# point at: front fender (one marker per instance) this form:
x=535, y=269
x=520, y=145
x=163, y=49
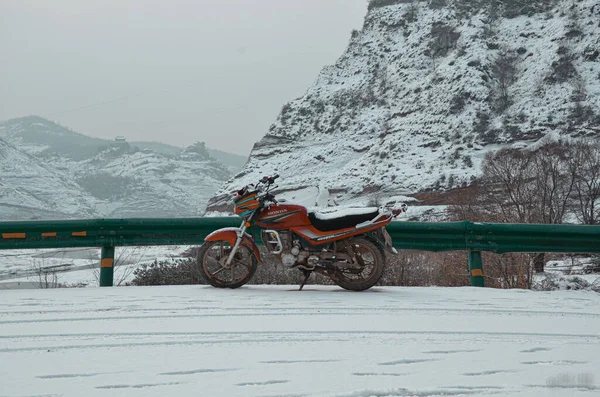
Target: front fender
x=230, y=235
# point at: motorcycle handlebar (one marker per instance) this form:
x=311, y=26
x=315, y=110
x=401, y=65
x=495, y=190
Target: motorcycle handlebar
x=269, y=179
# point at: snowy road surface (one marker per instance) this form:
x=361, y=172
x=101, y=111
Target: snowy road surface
x=276, y=341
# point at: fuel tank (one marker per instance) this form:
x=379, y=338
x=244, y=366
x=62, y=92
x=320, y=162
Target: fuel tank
x=283, y=216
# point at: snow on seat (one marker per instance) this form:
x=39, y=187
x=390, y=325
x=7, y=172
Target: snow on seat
x=330, y=219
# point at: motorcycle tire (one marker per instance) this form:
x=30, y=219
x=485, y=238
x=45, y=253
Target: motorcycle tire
x=360, y=284
x=210, y=264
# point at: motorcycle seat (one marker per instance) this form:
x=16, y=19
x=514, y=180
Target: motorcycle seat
x=327, y=220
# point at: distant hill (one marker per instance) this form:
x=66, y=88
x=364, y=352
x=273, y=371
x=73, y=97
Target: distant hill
x=48, y=171
x=44, y=138
x=234, y=161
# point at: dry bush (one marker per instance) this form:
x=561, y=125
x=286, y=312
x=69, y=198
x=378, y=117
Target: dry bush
x=424, y=269
x=510, y=270
x=408, y=268
x=452, y=269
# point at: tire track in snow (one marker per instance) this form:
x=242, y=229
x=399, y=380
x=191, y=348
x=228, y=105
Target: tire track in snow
x=452, y=351
x=408, y=361
x=491, y=372
x=536, y=349
x=199, y=371
x=274, y=337
x=275, y=311
x=151, y=344
x=311, y=332
x=297, y=361
x=263, y=383
x=380, y=373
x=138, y=386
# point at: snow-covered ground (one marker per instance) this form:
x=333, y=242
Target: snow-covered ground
x=276, y=341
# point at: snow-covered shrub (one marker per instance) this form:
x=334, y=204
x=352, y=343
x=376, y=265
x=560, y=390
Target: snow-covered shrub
x=443, y=39
x=563, y=69
x=554, y=282
x=412, y=12
x=384, y=3
x=515, y=8
x=458, y=103
x=504, y=70
x=437, y=4
x=180, y=272
x=482, y=123
x=467, y=161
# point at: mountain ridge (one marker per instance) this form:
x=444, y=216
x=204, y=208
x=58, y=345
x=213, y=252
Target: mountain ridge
x=425, y=90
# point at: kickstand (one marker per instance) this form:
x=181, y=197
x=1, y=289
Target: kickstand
x=307, y=274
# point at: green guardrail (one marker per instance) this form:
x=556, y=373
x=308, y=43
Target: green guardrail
x=445, y=236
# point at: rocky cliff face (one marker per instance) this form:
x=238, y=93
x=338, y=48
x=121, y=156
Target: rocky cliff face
x=425, y=89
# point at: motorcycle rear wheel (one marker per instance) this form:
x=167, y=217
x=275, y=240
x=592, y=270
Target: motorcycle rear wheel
x=212, y=267
x=372, y=270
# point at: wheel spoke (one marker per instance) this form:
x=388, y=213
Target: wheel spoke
x=242, y=263
x=219, y=271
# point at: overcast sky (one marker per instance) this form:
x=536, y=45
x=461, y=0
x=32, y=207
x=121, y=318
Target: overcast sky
x=175, y=71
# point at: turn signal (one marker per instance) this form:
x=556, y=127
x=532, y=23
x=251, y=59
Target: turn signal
x=247, y=224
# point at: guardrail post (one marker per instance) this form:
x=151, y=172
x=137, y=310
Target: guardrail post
x=476, y=269
x=107, y=262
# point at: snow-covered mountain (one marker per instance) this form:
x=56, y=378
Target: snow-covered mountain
x=50, y=172
x=30, y=189
x=425, y=89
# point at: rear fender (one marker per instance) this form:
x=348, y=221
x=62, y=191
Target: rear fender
x=383, y=238
x=230, y=235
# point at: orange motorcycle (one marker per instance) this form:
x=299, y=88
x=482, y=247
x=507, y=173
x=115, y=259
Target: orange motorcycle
x=349, y=245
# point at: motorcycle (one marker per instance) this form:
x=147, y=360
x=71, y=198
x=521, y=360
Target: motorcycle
x=347, y=246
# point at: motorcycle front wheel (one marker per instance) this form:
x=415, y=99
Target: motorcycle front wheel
x=367, y=265
x=212, y=266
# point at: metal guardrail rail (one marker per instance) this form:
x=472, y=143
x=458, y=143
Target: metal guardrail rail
x=445, y=236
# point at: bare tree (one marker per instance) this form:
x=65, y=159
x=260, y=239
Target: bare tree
x=585, y=164
x=553, y=183
x=505, y=185
x=530, y=186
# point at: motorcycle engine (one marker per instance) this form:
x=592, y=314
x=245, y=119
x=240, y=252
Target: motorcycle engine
x=292, y=253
